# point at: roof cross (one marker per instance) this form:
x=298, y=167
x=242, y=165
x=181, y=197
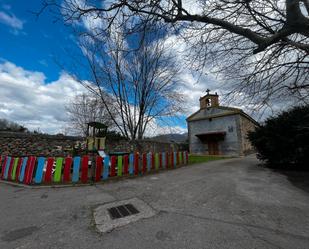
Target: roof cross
x=208, y=91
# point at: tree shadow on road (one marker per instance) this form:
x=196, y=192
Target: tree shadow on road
x=299, y=177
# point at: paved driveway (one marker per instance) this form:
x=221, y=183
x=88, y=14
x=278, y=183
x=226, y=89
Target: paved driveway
x=223, y=204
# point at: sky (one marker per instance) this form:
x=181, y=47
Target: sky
x=34, y=89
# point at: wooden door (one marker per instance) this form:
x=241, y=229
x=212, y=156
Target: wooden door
x=213, y=148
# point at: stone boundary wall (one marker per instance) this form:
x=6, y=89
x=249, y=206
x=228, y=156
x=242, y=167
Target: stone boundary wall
x=26, y=144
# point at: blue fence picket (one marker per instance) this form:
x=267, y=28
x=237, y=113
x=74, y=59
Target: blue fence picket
x=22, y=170
x=7, y=167
x=131, y=164
x=39, y=170
x=106, y=168
x=149, y=161
x=76, y=166
x=163, y=160
x=175, y=159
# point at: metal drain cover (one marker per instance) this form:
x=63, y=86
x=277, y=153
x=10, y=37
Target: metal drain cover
x=122, y=211
x=112, y=215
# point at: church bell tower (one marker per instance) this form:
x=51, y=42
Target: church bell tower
x=209, y=100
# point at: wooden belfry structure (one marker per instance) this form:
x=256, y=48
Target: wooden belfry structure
x=96, y=136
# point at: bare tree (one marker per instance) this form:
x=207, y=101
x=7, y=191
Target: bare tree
x=141, y=82
x=85, y=108
x=261, y=47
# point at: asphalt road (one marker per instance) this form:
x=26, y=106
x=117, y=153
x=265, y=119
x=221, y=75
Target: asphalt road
x=231, y=203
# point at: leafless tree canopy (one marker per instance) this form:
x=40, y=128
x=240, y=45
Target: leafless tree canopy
x=261, y=46
x=85, y=108
x=136, y=85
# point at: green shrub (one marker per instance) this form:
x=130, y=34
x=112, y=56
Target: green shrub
x=283, y=140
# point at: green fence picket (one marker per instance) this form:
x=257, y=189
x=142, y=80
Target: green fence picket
x=119, y=166
x=180, y=158
x=14, y=168
x=57, y=174
x=157, y=161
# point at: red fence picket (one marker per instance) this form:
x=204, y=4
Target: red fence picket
x=152, y=160
x=29, y=170
x=144, y=161
x=98, y=168
x=187, y=157
x=67, y=169
x=113, y=166
x=140, y=162
x=84, y=174
x=10, y=168
x=136, y=163
x=49, y=170
x=126, y=164
x=3, y=166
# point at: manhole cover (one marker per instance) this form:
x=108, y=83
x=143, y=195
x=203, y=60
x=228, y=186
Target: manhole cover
x=122, y=211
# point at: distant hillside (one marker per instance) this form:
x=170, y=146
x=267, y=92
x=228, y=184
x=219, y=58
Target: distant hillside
x=171, y=138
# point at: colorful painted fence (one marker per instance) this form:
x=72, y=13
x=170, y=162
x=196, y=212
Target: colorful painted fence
x=42, y=170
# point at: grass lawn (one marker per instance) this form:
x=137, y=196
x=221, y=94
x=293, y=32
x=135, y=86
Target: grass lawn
x=203, y=158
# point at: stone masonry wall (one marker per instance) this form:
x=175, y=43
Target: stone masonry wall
x=25, y=144
x=246, y=126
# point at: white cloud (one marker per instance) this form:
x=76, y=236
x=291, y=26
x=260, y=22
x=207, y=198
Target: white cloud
x=11, y=20
x=194, y=84
x=154, y=129
x=28, y=99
